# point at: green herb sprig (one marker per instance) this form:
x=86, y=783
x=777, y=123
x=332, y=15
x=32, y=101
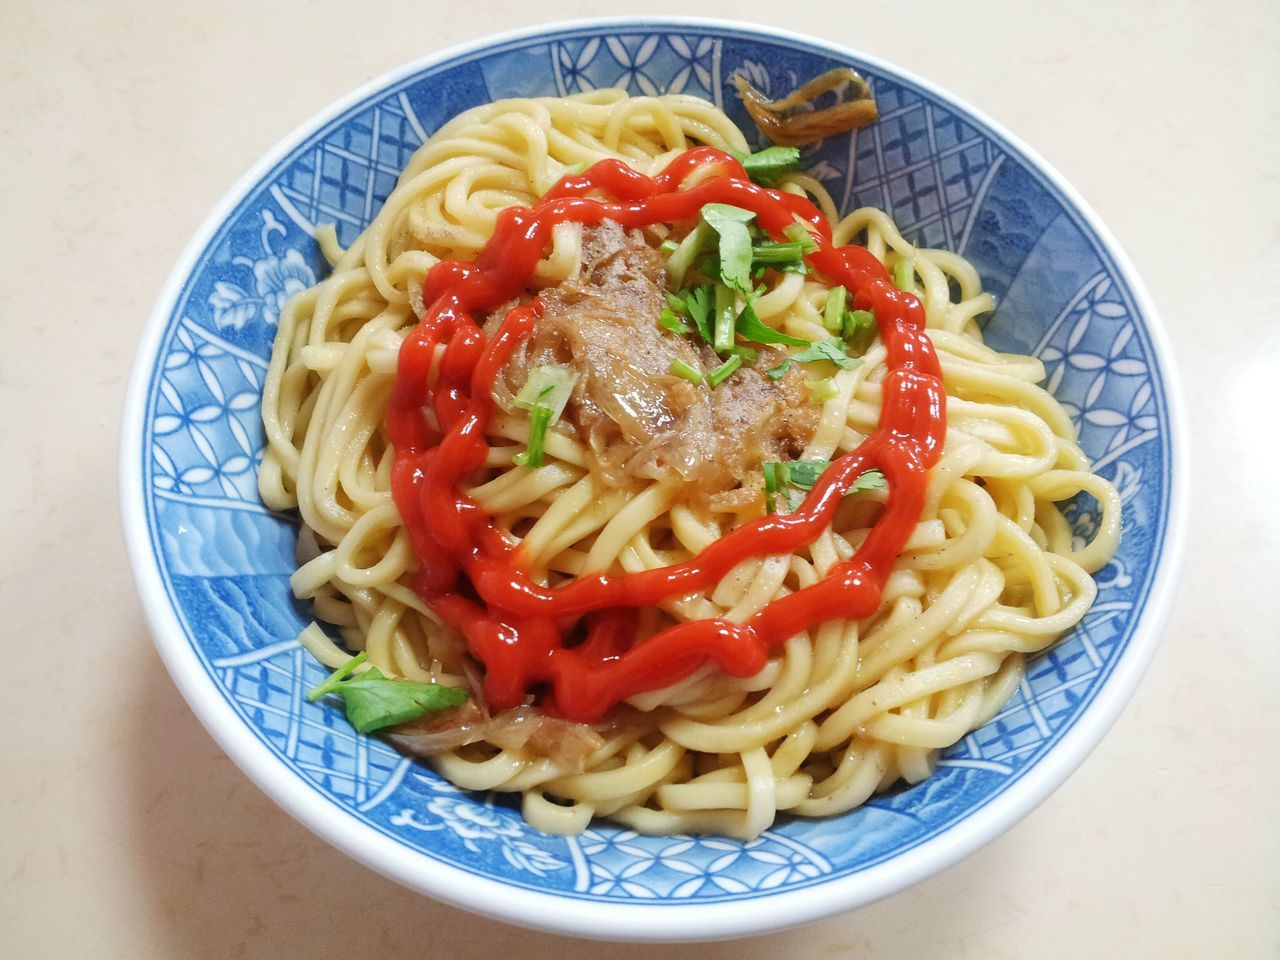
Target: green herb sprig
x=766, y=167
x=803, y=474
x=734, y=247
x=544, y=395
x=374, y=701
x=832, y=350
x=728, y=250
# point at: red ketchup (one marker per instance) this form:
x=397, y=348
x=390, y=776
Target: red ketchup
x=475, y=579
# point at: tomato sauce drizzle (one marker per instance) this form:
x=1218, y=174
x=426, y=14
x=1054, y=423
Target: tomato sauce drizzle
x=472, y=575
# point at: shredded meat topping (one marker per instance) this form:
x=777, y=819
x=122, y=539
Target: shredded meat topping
x=637, y=418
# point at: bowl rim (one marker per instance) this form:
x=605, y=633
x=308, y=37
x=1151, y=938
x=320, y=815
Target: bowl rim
x=639, y=921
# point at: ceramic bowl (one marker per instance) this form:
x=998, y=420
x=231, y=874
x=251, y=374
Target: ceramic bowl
x=212, y=564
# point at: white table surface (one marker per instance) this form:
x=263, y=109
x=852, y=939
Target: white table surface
x=127, y=833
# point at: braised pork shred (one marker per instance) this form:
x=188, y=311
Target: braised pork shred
x=636, y=418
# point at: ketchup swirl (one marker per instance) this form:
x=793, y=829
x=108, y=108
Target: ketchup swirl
x=474, y=578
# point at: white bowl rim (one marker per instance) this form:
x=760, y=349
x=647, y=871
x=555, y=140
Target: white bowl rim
x=663, y=921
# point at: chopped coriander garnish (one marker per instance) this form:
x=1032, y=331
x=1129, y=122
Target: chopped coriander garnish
x=773, y=482
x=866, y=480
x=544, y=395
x=786, y=256
x=822, y=390
x=904, y=274
x=831, y=349
x=803, y=474
x=833, y=312
x=750, y=327
x=698, y=303
x=672, y=322
x=687, y=251
x=668, y=247
x=730, y=223
x=780, y=371
x=799, y=233
x=548, y=386
x=855, y=327
x=767, y=167
x=539, y=421
x=858, y=329
x=771, y=252
x=723, y=312
x=374, y=701
x=708, y=266
x=695, y=304
x=721, y=373
x=777, y=477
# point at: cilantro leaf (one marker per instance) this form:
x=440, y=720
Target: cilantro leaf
x=671, y=321
x=698, y=304
x=803, y=474
x=750, y=327
x=767, y=167
x=867, y=480
x=831, y=349
x=730, y=223
x=374, y=701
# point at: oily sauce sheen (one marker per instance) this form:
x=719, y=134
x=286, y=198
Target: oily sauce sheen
x=474, y=579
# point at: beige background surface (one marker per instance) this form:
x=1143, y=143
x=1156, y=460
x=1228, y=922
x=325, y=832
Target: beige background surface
x=127, y=833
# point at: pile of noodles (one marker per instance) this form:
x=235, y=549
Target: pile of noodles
x=990, y=576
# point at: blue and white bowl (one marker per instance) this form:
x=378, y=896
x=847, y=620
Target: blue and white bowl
x=213, y=564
